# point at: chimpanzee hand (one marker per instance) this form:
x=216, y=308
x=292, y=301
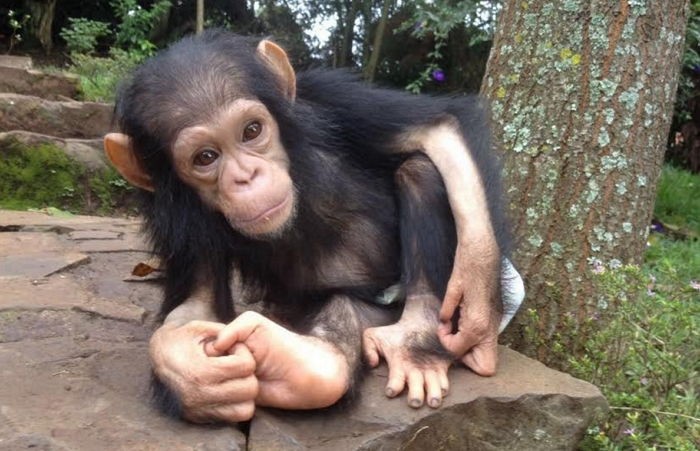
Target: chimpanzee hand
x=293, y=371
x=221, y=388
x=426, y=379
x=471, y=287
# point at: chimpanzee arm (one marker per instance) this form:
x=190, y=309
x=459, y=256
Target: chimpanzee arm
x=454, y=134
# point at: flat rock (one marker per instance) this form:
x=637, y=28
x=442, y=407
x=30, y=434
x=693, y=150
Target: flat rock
x=39, y=264
x=22, y=80
x=74, y=367
x=87, y=152
x=525, y=406
x=56, y=118
x=94, y=397
x=20, y=62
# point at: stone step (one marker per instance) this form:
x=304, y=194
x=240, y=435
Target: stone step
x=53, y=86
x=63, y=119
x=87, y=152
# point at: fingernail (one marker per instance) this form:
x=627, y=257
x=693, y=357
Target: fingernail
x=390, y=392
x=435, y=402
x=444, y=392
x=415, y=403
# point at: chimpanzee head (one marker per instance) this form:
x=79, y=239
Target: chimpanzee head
x=211, y=111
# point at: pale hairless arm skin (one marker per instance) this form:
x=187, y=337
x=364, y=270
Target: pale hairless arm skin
x=477, y=256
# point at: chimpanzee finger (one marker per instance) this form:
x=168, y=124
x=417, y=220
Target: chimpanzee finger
x=458, y=343
x=371, y=352
x=239, y=363
x=230, y=391
x=396, y=382
x=482, y=359
x=453, y=297
x=416, y=388
x=233, y=413
x=433, y=389
x=238, y=330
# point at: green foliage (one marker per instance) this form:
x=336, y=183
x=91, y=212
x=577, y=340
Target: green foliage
x=136, y=24
x=678, y=201
x=99, y=77
x=82, y=34
x=438, y=19
x=645, y=360
x=16, y=24
x=43, y=176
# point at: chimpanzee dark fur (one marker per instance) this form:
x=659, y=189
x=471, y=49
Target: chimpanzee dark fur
x=339, y=134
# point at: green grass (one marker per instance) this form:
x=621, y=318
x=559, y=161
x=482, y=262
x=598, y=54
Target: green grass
x=678, y=201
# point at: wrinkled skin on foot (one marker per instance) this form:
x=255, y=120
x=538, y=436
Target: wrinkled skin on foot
x=293, y=371
x=424, y=375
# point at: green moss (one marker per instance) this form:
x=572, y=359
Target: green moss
x=44, y=176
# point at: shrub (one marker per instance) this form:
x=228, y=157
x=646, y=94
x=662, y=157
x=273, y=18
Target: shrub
x=82, y=34
x=99, y=77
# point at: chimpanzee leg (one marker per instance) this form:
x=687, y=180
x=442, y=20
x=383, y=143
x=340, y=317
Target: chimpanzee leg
x=310, y=367
x=428, y=242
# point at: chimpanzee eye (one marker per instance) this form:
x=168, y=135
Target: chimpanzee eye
x=252, y=131
x=205, y=157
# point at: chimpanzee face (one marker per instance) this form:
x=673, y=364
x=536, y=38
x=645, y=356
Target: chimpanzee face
x=238, y=166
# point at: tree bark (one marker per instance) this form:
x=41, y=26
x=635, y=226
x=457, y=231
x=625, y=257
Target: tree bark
x=199, y=27
x=345, y=54
x=371, y=68
x=41, y=21
x=582, y=95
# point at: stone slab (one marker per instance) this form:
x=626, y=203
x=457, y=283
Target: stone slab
x=39, y=264
x=16, y=61
x=525, y=406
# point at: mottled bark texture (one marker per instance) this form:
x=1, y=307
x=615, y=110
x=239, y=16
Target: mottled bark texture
x=582, y=94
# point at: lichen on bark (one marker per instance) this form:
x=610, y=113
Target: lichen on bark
x=582, y=95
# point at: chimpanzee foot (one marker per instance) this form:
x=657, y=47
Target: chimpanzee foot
x=294, y=371
x=425, y=376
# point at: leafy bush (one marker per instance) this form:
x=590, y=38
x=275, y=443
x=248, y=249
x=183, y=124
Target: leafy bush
x=99, y=77
x=136, y=24
x=82, y=34
x=646, y=360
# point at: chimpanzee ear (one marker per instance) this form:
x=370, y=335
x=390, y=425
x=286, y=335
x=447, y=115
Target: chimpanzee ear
x=277, y=59
x=121, y=154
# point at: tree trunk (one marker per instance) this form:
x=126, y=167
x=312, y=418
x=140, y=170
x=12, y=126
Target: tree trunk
x=371, y=68
x=345, y=54
x=41, y=19
x=199, y=27
x=582, y=95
